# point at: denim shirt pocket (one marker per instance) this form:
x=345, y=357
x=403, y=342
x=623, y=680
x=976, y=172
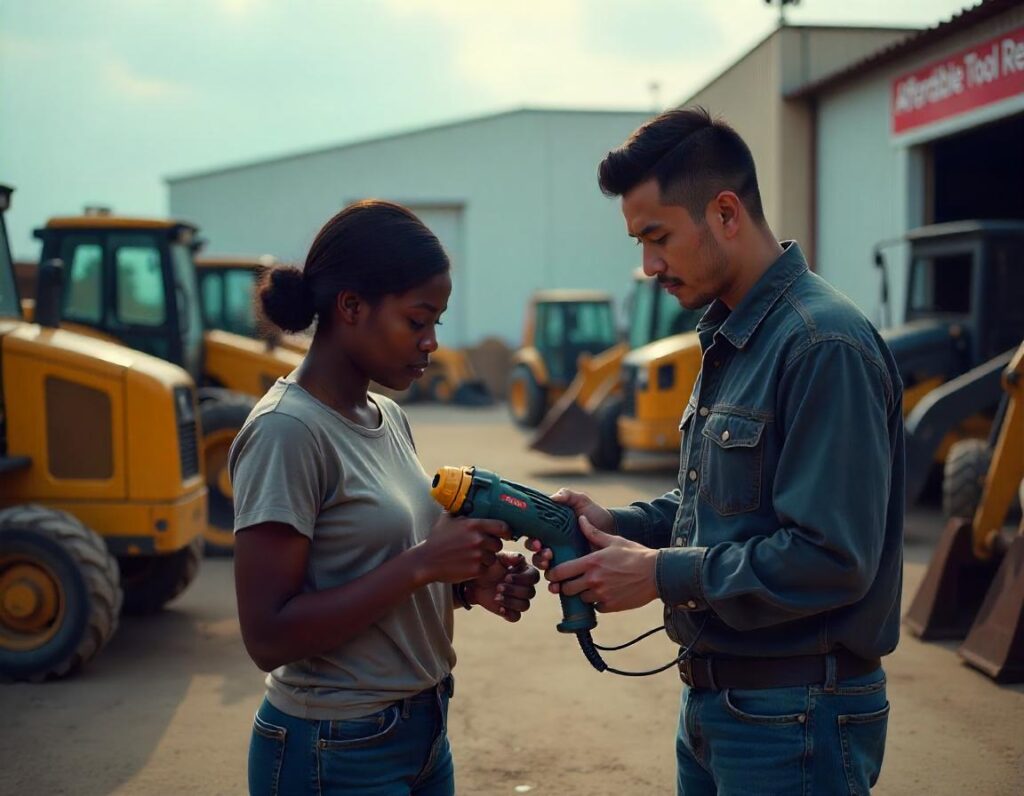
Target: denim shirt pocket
x=732, y=462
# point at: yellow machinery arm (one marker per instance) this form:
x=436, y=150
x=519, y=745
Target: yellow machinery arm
x=1007, y=469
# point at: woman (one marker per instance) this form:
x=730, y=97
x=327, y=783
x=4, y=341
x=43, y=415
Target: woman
x=345, y=567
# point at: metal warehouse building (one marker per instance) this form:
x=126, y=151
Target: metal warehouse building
x=513, y=197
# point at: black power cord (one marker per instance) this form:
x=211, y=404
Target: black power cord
x=590, y=650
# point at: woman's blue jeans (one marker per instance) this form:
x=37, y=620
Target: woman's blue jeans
x=399, y=751
x=803, y=740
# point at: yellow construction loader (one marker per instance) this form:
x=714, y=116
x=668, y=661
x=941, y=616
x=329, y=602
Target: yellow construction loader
x=227, y=286
x=629, y=400
x=133, y=281
x=974, y=586
x=102, y=495
x=561, y=325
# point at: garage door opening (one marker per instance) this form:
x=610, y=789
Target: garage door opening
x=979, y=174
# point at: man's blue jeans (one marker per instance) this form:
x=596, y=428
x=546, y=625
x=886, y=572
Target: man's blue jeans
x=802, y=740
x=398, y=751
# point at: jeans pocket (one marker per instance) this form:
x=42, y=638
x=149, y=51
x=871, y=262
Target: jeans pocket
x=731, y=463
x=777, y=707
x=266, y=752
x=862, y=736
x=361, y=731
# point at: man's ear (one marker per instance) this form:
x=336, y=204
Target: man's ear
x=349, y=307
x=725, y=211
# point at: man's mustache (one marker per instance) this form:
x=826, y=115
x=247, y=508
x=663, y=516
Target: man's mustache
x=665, y=281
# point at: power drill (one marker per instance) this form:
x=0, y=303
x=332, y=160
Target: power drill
x=473, y=492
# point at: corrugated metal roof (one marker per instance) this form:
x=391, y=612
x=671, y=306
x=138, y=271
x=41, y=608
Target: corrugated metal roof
x=916, y=41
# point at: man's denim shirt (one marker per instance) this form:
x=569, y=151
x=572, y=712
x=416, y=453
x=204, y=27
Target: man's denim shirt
x=786, y=531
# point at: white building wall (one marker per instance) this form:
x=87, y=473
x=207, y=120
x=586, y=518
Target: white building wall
x=517, y=193
x=870, y=187
x=862, y=195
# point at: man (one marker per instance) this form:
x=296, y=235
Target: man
x=779, y=557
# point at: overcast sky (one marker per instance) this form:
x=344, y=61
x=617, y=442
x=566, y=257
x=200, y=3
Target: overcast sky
x=101, y=99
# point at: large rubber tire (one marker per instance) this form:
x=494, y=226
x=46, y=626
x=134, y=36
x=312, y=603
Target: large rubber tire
x=963, y=477
x=607, y=452
x=221, y=418
x=527, y=401
x=150, y=582
x=71, y=561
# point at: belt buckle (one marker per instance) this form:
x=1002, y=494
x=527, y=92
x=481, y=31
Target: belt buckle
x=686, y=670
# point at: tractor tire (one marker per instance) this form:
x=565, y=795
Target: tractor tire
x=221, y=418
x=150, y=582
x=963, y=477
x=60, y=594
x=607, y=452
x=527, y=402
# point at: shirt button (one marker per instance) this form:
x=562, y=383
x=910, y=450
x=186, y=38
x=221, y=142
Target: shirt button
x=680, y=542
x=703, y=411
x=725, y=436
x=691, y=604
x=693, y=475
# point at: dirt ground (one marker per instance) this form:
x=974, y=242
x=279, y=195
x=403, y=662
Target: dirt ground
x=167, y=707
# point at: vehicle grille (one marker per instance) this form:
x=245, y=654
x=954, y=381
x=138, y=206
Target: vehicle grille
x=188, y=434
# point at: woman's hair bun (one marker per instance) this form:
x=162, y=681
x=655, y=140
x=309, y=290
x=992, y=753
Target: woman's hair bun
x=284, y=299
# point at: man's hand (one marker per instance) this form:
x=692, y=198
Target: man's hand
x=618, y=576
x=506, y=587
x=583, y=506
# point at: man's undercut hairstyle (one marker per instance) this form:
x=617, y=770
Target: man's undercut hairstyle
x=692, y=156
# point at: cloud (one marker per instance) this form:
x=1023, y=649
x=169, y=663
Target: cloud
x=123, y=79
x=566, y=52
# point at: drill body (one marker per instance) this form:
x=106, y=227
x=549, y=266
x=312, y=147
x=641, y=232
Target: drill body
x=473, y=492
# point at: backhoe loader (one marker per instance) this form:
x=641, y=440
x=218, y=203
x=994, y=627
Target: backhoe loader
x=561, y=325
x=629, y=400
x=974, y=586
x=102, y=495
x=133, y=281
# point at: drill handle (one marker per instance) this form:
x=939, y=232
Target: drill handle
x=576, y=614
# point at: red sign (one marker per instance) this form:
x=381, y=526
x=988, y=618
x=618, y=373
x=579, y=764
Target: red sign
x=519, y=504
x=981, y=75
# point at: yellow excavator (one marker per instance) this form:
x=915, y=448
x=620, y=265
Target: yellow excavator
x=102, y=495
x=133, y=281
x=227, y=286
x=624, y=399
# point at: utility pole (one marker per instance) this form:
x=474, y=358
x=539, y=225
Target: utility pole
x=655, y=88
x=782, y=8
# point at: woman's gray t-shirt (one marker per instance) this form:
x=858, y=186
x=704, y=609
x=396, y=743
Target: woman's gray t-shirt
x=362, y=497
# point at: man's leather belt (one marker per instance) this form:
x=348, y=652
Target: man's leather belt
x=720, y=673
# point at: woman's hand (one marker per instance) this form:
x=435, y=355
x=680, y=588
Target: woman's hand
x=506, y=587
x=458, y=549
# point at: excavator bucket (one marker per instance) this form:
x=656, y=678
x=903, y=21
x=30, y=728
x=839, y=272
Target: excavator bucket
x=953, y=587
x=995, y=643
x=566, y=431
x=570, y=427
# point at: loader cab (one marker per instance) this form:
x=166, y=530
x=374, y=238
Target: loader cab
x=654, y=313
x=570, y=323
x=969, y=274
x=133, y=280
x=226, y=287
